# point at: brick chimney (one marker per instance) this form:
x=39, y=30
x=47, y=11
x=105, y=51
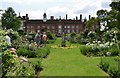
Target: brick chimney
x=80, y=17
x=27, y=17
x=52, y=17
x=89, y=17
x=76, y=18
x=66, y=16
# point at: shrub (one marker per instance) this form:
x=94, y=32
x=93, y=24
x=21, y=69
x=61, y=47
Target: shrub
x=37, y=65
x=42, y=52
x=21, y=32
x=84, y=49
x=50, y=41
x=30, y=37
x=8, y=62
x=82, y=39
x=50, y=35
x=58, y=35
x=26, y=51
x=22, y=51
x=38, y=53
x=13, y=34
x=22, y=69
x=92, y=34
x=104, y=66
x=72, y=38
x=73, y=35
x=115, y=73
x=114, y=50
x=110, y=66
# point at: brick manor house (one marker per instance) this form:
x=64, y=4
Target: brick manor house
x=54, y=25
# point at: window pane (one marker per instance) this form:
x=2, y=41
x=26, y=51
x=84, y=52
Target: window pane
x=73, y=31
x=68, y=26
x=76, y=31
x=68, y=31
x=65, y=26
x=72, y=26
x=60, y=26
x=38, y=26
x=76, y=26
x=59, y=31
x=27, y=26
x=53, y=27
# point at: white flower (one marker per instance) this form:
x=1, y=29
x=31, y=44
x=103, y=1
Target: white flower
x=101, y=45
x=113, y=39
x=115, y=31
x=107, y=43
x=93, y=41
x=92, y=44
x=87, y=44
x=111, y=43
x=30, y=45
x=108, y=53
x=99, y=42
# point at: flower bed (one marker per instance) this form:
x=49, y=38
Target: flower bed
x=66, y=47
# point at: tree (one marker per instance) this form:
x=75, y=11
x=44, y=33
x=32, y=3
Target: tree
x=102, y=14
x=10, y=19
x=116, y=6
x=112, y=19
x=93, y=23
x=103, y=18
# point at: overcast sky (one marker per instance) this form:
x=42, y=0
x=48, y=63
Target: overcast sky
x=36, y=8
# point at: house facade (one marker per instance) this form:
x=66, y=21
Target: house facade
x=54, y=25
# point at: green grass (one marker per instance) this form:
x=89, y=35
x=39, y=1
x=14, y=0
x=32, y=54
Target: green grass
x=70, y=62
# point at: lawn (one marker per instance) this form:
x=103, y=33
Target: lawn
x=70, y=62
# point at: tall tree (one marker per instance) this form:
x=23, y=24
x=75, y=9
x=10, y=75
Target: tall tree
x=93, y=23
x=10, y=19
x=102, y=17
x=112, y=19
x=116, y=6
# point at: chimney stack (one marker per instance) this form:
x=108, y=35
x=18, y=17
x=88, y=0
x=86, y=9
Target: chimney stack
x=52, y=17
x=27, y=16
x=59, y=17
x=80, y=17
x=19, y=13
x=89, y=17
x=66, y=16
x=76, y=18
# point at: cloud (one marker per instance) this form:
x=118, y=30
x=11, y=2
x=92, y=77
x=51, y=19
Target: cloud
x=86, y=9
x=36, y=8
x=105, y=4
x=14, y=1
x=33, y=14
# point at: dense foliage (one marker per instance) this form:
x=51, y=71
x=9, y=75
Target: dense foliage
x=10, y=19
x=111, y=66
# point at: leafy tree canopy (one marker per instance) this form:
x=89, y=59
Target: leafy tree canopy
x=10, y=19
